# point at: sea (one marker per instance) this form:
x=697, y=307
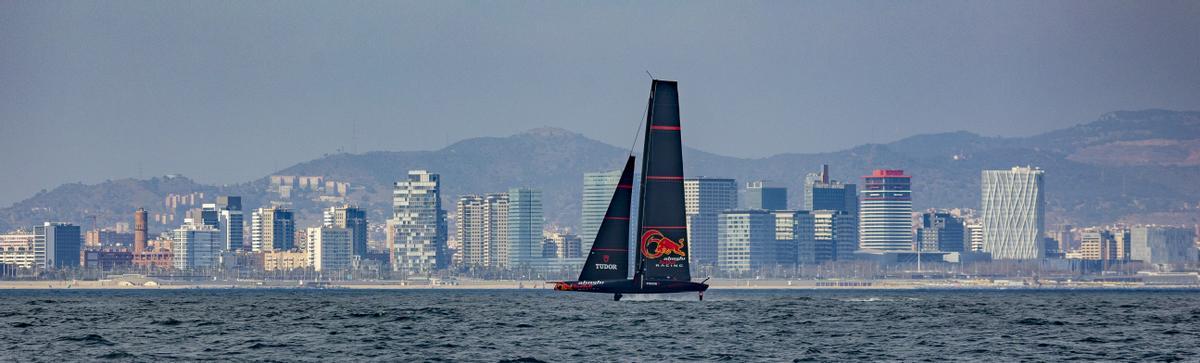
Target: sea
x=549, y=326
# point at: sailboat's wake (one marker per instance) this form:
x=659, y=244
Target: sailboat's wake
x=660, y=297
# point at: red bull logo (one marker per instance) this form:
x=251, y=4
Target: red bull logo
x=655, y=245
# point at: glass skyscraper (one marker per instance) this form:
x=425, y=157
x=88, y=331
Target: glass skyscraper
x=704, y=199
x=823, y=193
x=597, y=193
x=746, y=239
x=759, y=195
x=56, y=245
x=1013, y=213
x=524, y=227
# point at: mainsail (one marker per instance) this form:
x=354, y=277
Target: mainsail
x=609, y=258
x=662, y=229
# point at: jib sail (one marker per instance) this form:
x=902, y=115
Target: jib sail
x=609, y=258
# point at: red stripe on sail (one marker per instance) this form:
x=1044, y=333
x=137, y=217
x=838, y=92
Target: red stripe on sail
x=664, y=227
x=663, y=177
x=665, y=128
x=624, y=186
x=617, y=218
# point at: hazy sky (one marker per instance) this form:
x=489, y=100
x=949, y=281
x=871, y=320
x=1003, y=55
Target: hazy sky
x=229, y=91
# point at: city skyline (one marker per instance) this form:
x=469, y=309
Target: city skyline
x=868, y=76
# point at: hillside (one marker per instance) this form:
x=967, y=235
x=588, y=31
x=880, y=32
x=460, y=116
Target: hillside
x=1125, y=166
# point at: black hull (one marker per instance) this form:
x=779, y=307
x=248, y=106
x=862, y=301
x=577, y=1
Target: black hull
x=631, y=287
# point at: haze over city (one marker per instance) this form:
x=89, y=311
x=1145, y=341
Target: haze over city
x=526, y=181
x=133, y=89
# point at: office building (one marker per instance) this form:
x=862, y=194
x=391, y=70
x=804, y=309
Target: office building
x=106, y=258
x=795, y=238
x=823, y=193
x=835, y=235
x=885, y=219
x=1014, y=213
x=704, y=199
x=525, y=223
x=1162, y=244
x=746, y=240
x=232, y=222
x=1098, y=245
x=598, y=190
x=417, y=230
x=761, y=195
x=569, y=245
x=482, y=229
x=1124, y=241
x=195, y=246
x=330, y=248
x=353, y=219
x=57, y=245
x=272, y=229
x=940, y=232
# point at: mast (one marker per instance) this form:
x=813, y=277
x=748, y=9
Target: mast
x=662, y=229
x=609, y=257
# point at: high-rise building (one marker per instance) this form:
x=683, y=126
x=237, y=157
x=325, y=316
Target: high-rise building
x=525, y=224
x=597, y=193
x=195, y=245
x=794, y=237
x=57, y=245
x=483, y=229
x=598, y=190
x=704, y=199
x=417, y=230
x=760, y=195
x=940, y=231
x=272, y=229
x=1162, y=244
x=330, y=248
x=1065, y=237
x=232, y=221
x=835, y=235
x=140, y=234
x=569, y=246
x=974, y=236
x=353, y=219
x=1014, y=213
x=1098, y=245
x=746, y=240
x=1124, y=242
x=885, y=219
x=823, y=193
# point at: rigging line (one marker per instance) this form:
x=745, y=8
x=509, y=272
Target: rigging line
x=644, y=118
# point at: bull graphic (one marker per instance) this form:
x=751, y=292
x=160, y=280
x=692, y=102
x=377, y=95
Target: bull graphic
x=655, y=245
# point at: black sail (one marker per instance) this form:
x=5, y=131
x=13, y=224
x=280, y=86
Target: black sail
x=662, y=249
x=609, y=258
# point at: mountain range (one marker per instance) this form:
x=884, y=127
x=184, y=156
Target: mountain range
x=1127, y=166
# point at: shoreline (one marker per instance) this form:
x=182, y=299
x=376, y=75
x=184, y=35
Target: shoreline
x=142, y=283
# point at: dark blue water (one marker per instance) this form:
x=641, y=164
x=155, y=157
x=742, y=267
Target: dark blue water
x=527, y=325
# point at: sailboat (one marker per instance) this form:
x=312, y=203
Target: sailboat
x=661, y=265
